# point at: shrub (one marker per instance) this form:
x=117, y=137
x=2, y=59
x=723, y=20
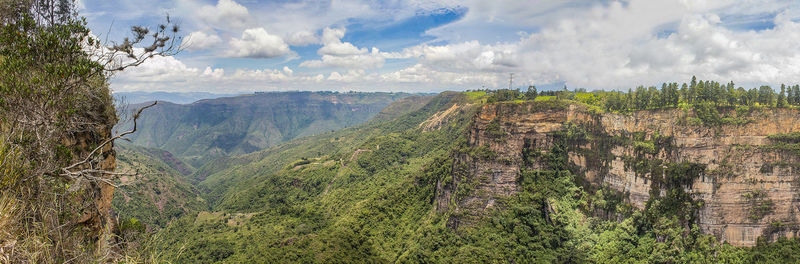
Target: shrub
x=707, y=113
x=760, y=204
x=793, y=137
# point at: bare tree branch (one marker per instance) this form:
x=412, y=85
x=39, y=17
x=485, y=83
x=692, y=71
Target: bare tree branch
x=67, y=170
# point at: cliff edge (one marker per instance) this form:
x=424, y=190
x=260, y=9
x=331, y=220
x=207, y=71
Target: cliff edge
x=741, y=177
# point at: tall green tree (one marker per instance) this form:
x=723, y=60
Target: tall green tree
x=684, y=92
x=703, y=92
x=642, y=98
x=741, y=96
x=674, y=96
x=629, y=99
x=796, y=92
x=655, y=97
x=531, y=93
x=730, y=93
x=766, y=95
x=753, y=96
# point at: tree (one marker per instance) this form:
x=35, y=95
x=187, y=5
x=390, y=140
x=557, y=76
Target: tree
x=753, y=96
x=731, y=95
x=702, y=93
x=741, y=96
x=531, y=93
x=503, y=95
x=782, y=97
x=615, y=102
x=676, y=96
x=766, y=95
x=565, y=94
x=692, y=93
x=54, y=91
x=629, y=99
x=796, y=92
x=642, y=98
x=684, y=92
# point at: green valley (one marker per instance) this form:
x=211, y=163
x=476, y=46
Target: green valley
x=411, y=189
x=199, y=132
x=350, y=131
x=156, y=188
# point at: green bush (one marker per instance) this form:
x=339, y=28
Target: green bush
x=644, y=147
x=760, y=204
x=793, y=137
x=493, y=130
x=708, y=114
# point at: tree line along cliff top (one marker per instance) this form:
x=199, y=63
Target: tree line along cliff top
x=696, y=93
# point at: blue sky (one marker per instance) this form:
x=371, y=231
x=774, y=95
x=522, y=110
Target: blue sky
x=241, y=46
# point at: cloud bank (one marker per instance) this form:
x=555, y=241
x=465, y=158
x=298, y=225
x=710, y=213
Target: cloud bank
x=597, y=45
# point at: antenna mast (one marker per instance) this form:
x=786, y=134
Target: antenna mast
x=510, y=80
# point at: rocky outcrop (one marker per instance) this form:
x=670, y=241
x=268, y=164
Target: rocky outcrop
x=97, y=216
x=749, y=188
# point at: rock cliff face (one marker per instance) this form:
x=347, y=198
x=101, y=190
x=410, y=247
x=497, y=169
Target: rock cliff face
x=748, y=186
x=97, y=216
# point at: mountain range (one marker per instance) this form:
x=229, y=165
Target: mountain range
x=207, y=129
x=172, y=97
x=478, y=177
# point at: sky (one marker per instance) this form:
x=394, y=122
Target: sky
x=243, y=46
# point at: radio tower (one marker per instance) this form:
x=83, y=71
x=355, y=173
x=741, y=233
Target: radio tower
x=510, y=80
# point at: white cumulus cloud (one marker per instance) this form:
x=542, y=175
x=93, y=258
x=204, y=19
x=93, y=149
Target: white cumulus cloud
x=258, y=43
x=200, y=40
x=611, y=44
x=302, y=38
x=225, y=14
x=335, y=53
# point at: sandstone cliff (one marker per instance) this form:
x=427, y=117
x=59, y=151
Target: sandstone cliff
x=97, y=216
x=747, y=187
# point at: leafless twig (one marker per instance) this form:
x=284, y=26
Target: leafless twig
x=67, y=171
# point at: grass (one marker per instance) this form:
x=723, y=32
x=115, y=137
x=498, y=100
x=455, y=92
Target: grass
x=204, y=216
x=475, y=95
x=793, y=137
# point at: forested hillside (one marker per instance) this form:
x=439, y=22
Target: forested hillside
x=156, y=188
x=318, y=191
x=423, y=188
x=208, y=129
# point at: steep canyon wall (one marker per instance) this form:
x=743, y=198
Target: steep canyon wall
x=748, y=188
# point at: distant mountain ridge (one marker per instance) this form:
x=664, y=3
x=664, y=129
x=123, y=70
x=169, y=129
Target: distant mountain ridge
x=212, y=128
x=177, y=98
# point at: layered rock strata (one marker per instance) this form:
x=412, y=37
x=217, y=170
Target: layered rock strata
x=749, y=187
